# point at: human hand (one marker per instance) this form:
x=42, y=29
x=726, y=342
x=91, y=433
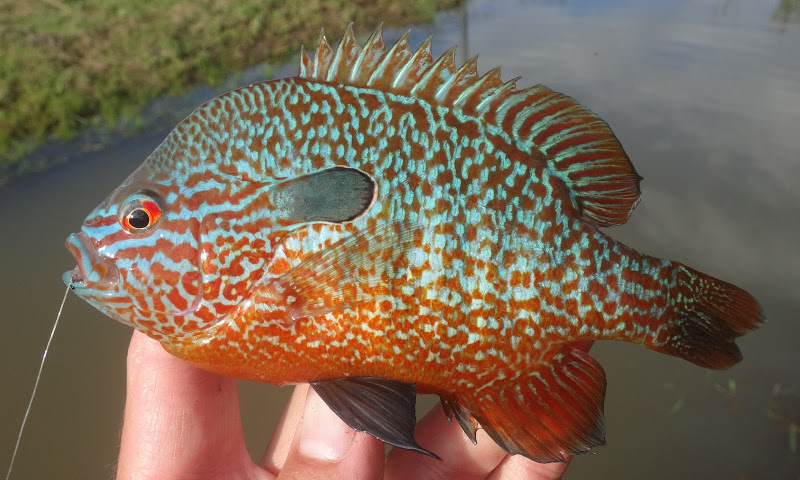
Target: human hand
x=184, y=423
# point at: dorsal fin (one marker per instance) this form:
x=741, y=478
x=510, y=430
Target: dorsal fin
x=390, y=62
x=576, y=145
x=344, y=58
x=370, y=56
x=317, y=67
x=579, y=147
x=464, y=77
x=439, y=74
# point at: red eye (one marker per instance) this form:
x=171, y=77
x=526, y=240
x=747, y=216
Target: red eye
x=141, y=215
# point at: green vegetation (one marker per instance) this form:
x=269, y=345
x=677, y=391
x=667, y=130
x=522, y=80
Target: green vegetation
x=68, y=63
x=787, y=11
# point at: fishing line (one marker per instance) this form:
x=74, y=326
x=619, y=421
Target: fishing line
x=36, y=385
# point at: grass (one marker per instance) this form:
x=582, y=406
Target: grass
x=68, y=63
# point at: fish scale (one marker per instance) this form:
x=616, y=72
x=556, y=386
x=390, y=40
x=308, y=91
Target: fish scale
x=384, y=224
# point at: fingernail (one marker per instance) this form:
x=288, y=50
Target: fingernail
x=323, y=436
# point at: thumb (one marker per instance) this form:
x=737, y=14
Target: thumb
x=180, y=421
x=324, y=447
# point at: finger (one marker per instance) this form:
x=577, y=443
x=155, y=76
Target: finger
x=517, y=466
x=278, y=449
x=460, y=458
x=324, y=447
x=180, y=421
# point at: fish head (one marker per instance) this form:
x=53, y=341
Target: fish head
x=139, y=255
x=183, y=242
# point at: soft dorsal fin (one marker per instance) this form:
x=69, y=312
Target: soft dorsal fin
x=576, y=145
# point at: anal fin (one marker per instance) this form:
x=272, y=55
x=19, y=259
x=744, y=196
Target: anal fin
x=380, y=407
x=465, y=418
x=555, y=409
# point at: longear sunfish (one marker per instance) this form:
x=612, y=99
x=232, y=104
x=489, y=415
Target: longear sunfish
x=384, y=224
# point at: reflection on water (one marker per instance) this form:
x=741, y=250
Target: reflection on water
x=705, y=96
x=787, y=11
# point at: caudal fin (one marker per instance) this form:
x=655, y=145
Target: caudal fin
x=708, y=316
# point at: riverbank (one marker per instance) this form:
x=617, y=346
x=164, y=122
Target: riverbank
x=67, y=65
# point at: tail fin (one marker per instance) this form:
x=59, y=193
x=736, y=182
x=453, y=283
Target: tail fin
x=709, y=315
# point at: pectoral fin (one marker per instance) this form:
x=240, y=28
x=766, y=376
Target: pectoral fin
x=555, y=409
x=382, y=408
x=354, y=270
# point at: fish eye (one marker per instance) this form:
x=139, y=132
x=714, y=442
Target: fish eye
x=139, y=213
x=139, y=218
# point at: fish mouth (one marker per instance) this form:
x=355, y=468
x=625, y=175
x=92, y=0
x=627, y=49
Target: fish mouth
x=92, y=270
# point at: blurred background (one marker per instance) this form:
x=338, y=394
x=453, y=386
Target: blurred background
x=703, y=94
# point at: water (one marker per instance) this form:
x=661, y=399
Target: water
x=705, y=97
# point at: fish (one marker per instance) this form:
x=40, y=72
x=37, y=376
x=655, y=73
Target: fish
x=385, y=224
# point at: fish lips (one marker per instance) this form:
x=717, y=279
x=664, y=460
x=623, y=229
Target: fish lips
x=93, y=271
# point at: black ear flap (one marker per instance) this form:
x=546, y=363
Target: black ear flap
x=334, y=195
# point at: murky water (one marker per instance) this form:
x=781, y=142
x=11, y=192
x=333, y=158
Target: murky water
x=704, y=95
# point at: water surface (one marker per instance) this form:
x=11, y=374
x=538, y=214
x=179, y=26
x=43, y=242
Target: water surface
x=705, y=97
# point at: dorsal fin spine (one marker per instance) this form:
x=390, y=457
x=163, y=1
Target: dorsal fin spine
x=318, y=54
x=441, y=92
x=467, y=74
x=356, y=70
x=372, y=48
x=338, y=56
x=419, y=57
x=305, y=62
x=322, y=56
x=472, y=91
x=438, y=69
x=380, y=69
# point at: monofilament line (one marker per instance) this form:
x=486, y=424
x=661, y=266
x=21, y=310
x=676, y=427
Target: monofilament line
x=36, y=385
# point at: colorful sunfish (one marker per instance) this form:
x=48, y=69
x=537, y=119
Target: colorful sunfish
x=382, y=225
